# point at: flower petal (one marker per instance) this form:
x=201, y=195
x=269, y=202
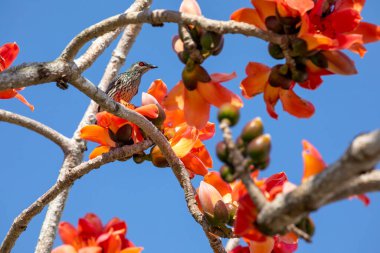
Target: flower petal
x=67, y=232
x=218, y=95
x=213, y=178
x=312, y=160
x=97, y=134
x=340, y=63
x=222, y=77
x=175, y=98
x=23, y=100
x=256, y=80
x=91, y=249
x=262, y=247
x=196, y=108
x=370, y=32
x=65, y=249
x=158, y=89
x=301, y=6
x=271, y=96
x=194, y=164
x=132, y=250
x=190, y=7
x=6, y=94
x=295, y=105
x=8, y=53
x=249, y=16
x=149, y=110
x=99, y=151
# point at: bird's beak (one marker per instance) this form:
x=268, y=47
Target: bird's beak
x=153, y=66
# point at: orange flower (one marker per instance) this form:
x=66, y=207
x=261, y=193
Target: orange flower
x=196, y=103
x=92, y=237
x=256, y=82
x=215, y=199
x=8, y=53
x=112, y=131
x=185, y=140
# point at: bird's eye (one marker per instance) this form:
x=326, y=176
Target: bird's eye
x=141, y=64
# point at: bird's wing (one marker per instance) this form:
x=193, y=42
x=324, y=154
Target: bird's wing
x=114, y=82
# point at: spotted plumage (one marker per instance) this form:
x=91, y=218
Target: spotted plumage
x=126, y=85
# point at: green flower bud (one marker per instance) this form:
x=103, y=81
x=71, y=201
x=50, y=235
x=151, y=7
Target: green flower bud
x=299, y=47
x=229, y=112
x=222, y=151
x=259, y=148
x=219, y=47
x=227, y=173
x=262, y=165
x=252, y=130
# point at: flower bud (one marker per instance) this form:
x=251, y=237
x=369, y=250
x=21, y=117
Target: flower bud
x=299, y=75
x=193, y=73
x=222, y=151
x=299, y=47
x=123, y=134
x=229, y=112
x=221, y=215
x=279, y=78
x=210, y=40
x=306, y=224
x=275, y=51
x=252, y=130
x=259, y=148
x=219, y=47
x=319, y=60
x=139, y=157
x=274, y=25
x=262, y=165
x=227, y=173
x=158, y=158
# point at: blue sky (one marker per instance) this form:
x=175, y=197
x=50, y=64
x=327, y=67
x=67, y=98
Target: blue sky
x=149, y=198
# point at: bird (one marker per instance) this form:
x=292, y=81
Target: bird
x=126, y=85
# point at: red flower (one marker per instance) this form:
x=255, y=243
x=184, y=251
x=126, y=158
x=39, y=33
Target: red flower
x=92, y=237
x=8, y=53
x=246, y=214
x=196, y=103
x=256, y=82
x=112, y=131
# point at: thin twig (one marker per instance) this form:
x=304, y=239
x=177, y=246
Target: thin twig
x=62, y=141
x=239, y=164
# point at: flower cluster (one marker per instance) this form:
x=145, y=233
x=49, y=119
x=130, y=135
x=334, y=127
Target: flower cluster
x=92, y=237
x=312, y=35
x=198, y=90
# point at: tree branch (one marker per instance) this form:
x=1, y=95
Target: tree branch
x=101, y=43
x=158, y=17
x=361, y=157
x=62, y=141
x=21, y=222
